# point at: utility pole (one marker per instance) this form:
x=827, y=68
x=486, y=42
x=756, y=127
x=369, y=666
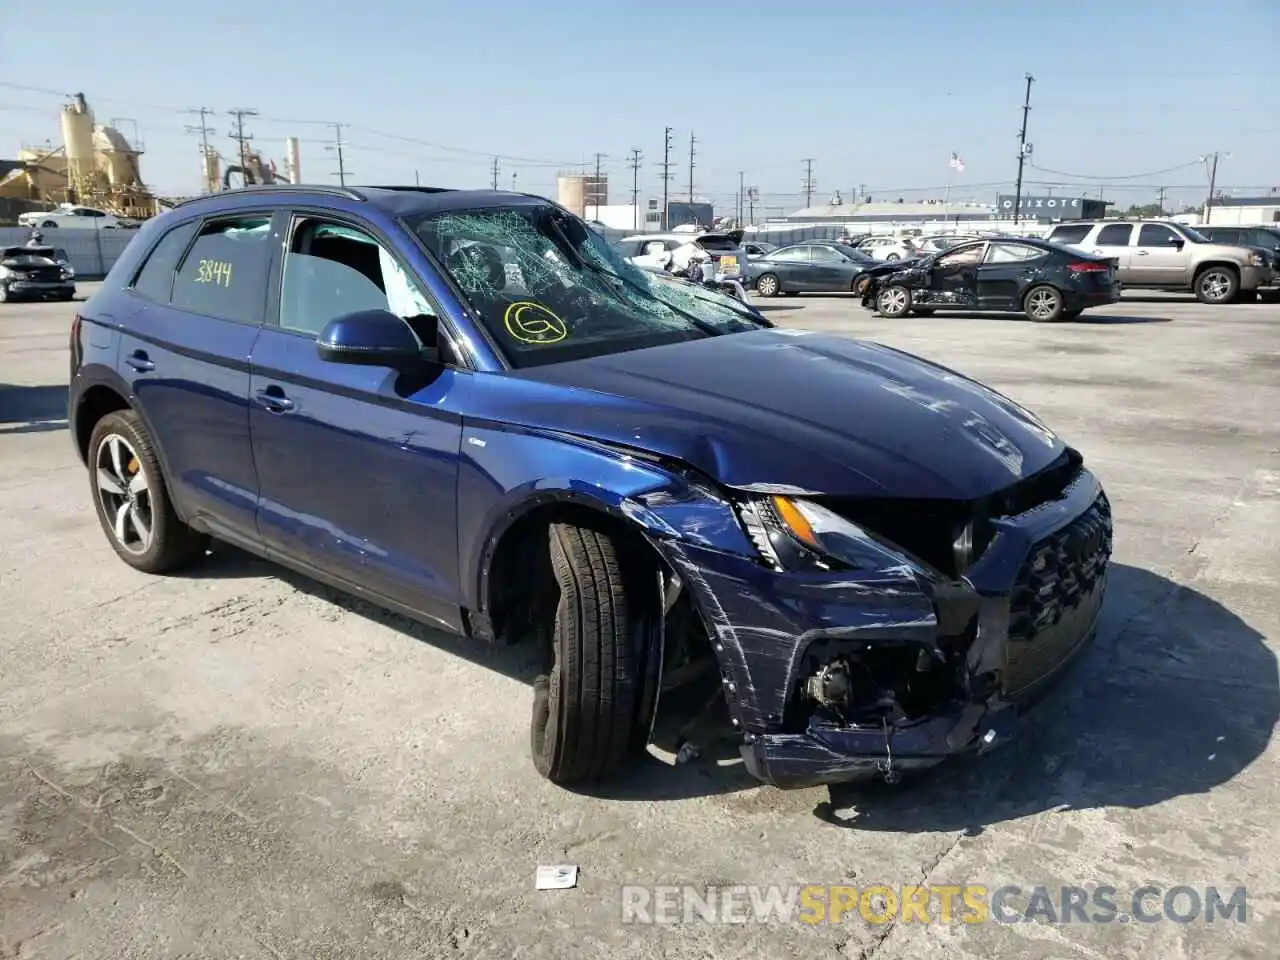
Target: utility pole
x=692, y=141
x=204, y=130
x=1022, y=149
x=1160, y=204
x=338, y=144
x=742, y=199
x=597, y=184
x=666, y=177
x=1213, y=180
x=635, y=187
x=494, y=174
x=808, y=184
x=753, y=194
x=242, y=139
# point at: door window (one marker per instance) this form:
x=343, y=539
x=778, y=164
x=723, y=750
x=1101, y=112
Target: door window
x=332, y=270
x=1115, y=235
x=1012, y=252
x=826, y=254
x=1155, y=235
x=155, y=280
x=225, y=273
x=960, y=257
x=791, y=254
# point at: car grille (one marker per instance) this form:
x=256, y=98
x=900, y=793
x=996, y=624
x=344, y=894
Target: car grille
x=41, y=274
x=1056, y=597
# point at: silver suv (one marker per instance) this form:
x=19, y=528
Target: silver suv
x=1163, y=255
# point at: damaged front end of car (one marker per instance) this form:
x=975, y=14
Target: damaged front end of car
x=874, y=636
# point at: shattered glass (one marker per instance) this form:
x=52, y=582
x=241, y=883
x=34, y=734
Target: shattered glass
x=539, y=279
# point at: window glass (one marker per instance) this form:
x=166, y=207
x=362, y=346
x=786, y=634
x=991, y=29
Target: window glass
x=225, y=273
x=1154, y=235
x=962, y=257
x=826, y=253
x=1011, y=252
x=791, y=253
x=1070, y=235
x=333, y=270
x=1115, y=235
x=155, y=280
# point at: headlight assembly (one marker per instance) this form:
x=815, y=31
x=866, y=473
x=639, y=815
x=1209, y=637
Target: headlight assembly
x=796, y=534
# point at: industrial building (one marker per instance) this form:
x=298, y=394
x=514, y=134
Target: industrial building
x=1229, y=211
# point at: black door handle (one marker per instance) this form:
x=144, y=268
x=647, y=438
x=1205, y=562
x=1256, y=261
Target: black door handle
x=140, y=362
x=272, y=398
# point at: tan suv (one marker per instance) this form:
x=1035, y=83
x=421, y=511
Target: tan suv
x=1162, y=255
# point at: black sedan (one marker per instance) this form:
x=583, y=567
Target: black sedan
x=1043, y=280
x=814, y=266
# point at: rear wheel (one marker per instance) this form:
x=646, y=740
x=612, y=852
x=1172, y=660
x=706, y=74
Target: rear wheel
x=1217, y=285
x=1043, y=304
x=131, y=499
x=894, y=301
x=587, y=709
x=767, y=285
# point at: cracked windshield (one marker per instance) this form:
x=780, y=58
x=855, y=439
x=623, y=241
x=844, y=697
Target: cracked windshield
x=549, y=289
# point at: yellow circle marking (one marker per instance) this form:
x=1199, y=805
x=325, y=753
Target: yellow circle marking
x=531, y=322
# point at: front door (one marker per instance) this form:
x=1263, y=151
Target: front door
x=831, y=271
x=357, y=465
x=953, y=279
x=197, y=309
x=1160, y=257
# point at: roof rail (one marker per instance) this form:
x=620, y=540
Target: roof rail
x=409, y=188
x=346, y=192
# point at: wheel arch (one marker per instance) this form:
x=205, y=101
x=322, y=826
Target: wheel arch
x=1230, y=265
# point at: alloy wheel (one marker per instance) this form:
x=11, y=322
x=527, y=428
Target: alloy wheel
x=767, y=286
x=1042, y=304
x=1215, y=285
x=124, y=493
x=893, y=302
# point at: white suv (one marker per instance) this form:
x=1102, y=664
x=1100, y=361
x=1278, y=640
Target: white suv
x=1163, y=255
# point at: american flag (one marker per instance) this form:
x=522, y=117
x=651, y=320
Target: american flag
x=956, y=163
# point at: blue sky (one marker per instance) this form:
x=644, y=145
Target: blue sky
x=878, y=94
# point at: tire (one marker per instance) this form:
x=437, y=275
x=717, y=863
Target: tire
x=893, y=301
x=141, y=525
x=767, y=285
x=891, y=257
x=1216, y=285
x=589, y=710
x=49, y=225
x=1043, y=304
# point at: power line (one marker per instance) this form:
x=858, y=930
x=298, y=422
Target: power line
x=1128, y=176
x=242, y=139
x=204, y=130
x=1023, y=148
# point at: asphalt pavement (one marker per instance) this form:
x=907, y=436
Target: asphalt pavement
x=236, y=762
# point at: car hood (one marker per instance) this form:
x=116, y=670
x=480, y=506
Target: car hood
x=794, y=411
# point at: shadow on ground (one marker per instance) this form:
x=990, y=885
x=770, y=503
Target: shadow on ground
x=1087, y=318
x=1176, y=696
x=32, y=409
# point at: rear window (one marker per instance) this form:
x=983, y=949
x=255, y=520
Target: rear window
x=155, y=280
x=225, y=274
x=1070, y=235
x=717, y=243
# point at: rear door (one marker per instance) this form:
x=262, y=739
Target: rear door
x=1112, y=240
x=1005, y=273
x=194, y=312
x=357, y=465
x=1160, y=257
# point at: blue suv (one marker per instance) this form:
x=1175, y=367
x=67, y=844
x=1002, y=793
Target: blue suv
x=466, y=407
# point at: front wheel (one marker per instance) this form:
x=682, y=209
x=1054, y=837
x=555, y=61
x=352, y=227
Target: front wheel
x=588, y=709
x=894, y=301
x=1217, y=285
x=1043, y=304
x=132, y=502
x=768, y=285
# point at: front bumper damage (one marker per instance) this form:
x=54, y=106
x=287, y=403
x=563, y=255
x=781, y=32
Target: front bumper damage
x=822, y=672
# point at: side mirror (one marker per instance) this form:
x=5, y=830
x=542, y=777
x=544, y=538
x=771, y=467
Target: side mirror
x=375, y=338
x=1179, y=244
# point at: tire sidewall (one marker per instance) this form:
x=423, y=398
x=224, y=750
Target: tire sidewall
x=906, y=308
x=126, y=424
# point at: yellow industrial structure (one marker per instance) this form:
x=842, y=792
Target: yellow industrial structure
x=95, y=166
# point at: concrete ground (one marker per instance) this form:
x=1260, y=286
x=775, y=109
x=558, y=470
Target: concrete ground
x=236, y=763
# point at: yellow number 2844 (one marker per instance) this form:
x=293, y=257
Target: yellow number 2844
x=214, y=271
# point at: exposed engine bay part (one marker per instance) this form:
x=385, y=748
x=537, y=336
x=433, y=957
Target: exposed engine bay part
x=883, y=684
